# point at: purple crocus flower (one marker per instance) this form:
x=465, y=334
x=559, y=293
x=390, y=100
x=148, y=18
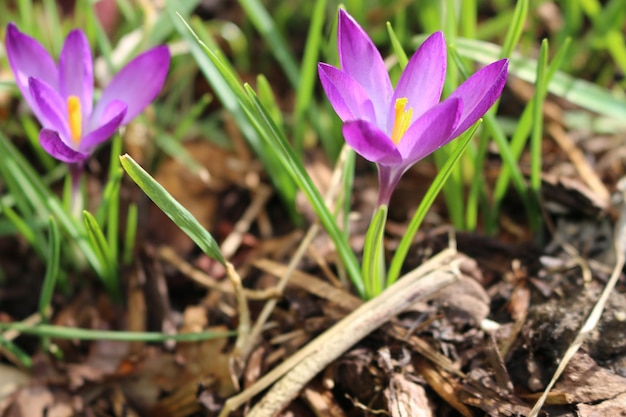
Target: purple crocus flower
x=397, y=128
x=61, y=96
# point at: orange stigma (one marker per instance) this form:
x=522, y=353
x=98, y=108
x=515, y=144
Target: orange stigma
x=75, y=118
x=402, y=120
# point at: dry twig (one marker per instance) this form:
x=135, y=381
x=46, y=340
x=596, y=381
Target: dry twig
x=300, y=368
x=619, y=241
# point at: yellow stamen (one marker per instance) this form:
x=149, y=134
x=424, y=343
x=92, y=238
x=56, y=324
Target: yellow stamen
x=75, y=118
x=402, y=120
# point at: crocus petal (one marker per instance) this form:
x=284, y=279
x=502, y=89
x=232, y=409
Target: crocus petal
x=76, y=70
x=49, y=107
x=431, y=131
x=52, y=143
x=138, y=83
x=348, y=98
x=370, y=142
x=29, y=59
x=362, y=62
x=112, y=118
x=422, y=80
x=479, y=92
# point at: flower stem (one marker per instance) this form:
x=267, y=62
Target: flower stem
x=388, y=178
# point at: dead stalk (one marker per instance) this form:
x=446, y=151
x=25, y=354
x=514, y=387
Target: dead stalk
x=301, y=367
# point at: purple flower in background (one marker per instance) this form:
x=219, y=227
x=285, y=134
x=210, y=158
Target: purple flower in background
x=397, y=128
x=61, y=96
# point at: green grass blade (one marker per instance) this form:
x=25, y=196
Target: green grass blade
x=577, y=91
x=53, y=18
x=107, y=259
x=308, y=73
x=515, y=29
x=12, y=350
x=166, y=22
x=537, y=133
x=403, y=248
x=113, y=197
x=468, y=18
x=31, y=129
x=172, y=208
x=477, y=189
x=266, y=96
x=403, y=59
x=519, y=139
x=61, y=332
x=52, y=270
x=228, y=89
x=127, y=10
x=31, y=185
x=262, y=21
x=175, y=149
x=109, y=197
x=291, y=164
x=192, y=115
x=27, y=19
x=25, y=229
x=131, y=233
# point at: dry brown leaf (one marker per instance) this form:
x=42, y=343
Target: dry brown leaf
x=406, y=398
x=198, y=196
x=584, y=381
x=11, y=378
x=444, y=384
x=322, y=401
x=614, y=407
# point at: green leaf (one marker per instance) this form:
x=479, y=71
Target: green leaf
x=518, y=141
x=262, y=21
x=227, y=86
x=28, y=231
x=13, y=351
x=537, y=120
x=403, y=248
x=175, y=149
x=130, y=234
x=267, y=97
x=52, y=270
x=374, y=254
x=292, y=165
x=397, y=47
x=172, y=208
x=536, y=138
x=166, y=22
x=580, y=92
x=101, y=248
x=308, y=75
x=27, y=185
x=516, y=28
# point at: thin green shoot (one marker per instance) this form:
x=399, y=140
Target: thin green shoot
x=308, y=73
x=293, y=166
x=172, y=208
x=395, y=267
x=536, y=138
x=131, y=233
x=373, y=265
